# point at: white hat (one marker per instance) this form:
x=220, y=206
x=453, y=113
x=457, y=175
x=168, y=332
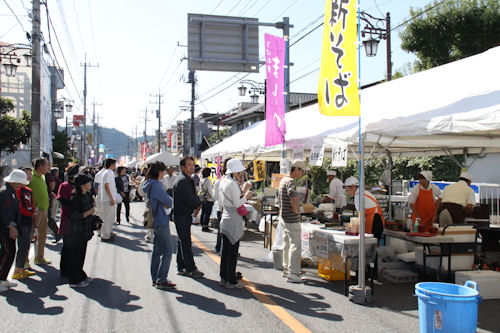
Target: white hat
x=299, y=164
x=466, y=175
x=331, y=173
x=351, y=181
x=234, y=166
x=427, y=175
x=17, y=176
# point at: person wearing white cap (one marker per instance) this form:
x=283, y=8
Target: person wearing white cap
x=423, y=199
x=10, y=219
x=337, y=193
x=456, y=201
x=232, y=224
x=290, y=220
x=374, y=218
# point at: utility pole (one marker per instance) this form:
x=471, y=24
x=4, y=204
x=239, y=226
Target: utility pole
x=84, y=138
x=35, y=84
x=95, y=141
x=192, y=80
x=158, y=115
x=145, y=123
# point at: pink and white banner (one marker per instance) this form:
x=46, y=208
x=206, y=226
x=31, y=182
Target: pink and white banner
x=275, y=88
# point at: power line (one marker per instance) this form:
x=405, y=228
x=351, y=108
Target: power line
x=306, y=74
x=418, y=15
x=283, y=12
x=213, y=10
x=62, y=54
x=234, y=7
x=17, y=18
x=307, y=34
x=268, y=1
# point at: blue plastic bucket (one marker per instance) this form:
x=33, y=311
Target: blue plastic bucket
x=447, y=307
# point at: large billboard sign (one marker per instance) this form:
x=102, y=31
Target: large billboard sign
x=223, y=43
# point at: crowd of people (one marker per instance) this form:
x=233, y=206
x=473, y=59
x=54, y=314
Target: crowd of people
x=91, y=199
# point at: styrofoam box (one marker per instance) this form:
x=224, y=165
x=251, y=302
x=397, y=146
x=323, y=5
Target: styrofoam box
x=488, y=282
x=459, y=262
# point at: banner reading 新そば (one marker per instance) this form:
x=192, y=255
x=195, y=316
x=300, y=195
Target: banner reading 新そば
x=338, y=86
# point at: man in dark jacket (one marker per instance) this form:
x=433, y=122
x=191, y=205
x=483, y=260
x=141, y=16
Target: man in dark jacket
x=10, y=219
x=186, y=201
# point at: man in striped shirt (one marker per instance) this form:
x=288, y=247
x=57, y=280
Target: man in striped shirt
x=290, y=219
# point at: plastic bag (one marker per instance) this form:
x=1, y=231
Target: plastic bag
x=278, y=240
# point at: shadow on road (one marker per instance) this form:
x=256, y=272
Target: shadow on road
x=210, y=305
x=303, y=303
x=110, y=296
x=31, y=302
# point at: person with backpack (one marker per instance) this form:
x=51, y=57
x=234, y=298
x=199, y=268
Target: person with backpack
x=206, y=195
x=160, y=203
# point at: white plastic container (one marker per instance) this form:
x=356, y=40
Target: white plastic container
x=488, y=282
x=459, y=262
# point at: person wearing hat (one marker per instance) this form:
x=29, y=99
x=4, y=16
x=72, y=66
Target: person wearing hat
x=374, y=218
x=66, y=191
x=232, y=225
x=455, y=202
x=10, y=219
x=25, y=228
x=289, y=217
x=423, y=199
x=337, y=193
x=80, y=230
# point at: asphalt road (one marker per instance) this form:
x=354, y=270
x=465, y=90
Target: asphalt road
x=121, y=298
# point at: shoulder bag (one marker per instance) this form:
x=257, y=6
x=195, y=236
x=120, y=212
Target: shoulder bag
x=149, y=218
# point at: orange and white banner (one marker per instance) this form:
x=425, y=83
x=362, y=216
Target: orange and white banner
x=338, y=85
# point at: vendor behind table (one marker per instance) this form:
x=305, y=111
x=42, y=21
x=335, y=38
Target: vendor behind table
x=456, y=201
x=423, y=199
x=374, y=219
x=337, y=193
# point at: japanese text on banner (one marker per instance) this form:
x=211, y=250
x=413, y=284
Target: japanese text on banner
x=275, y=88
x=338, y=87
x=339, y=156
x=317, y=152
x=259, y=170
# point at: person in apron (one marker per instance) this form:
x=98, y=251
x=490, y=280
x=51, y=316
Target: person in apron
x=423, y=199
x=374, y=218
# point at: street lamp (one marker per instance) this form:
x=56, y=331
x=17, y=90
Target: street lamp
x=257, y=87
x=377, y=29
x=13, y=59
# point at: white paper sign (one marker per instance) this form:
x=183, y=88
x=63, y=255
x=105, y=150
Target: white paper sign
x=339, y=156
x=298, y=152
x=317, y=152
x=284, y=166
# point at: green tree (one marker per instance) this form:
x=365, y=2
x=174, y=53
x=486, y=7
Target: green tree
x=60, y=144
x=452, y=30
x=12, y=131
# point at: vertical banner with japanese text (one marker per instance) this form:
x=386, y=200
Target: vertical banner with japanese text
x=338, y=85
x=259, y=170
x=275, y=88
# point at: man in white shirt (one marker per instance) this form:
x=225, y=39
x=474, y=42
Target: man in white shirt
x=108, y=196
x=456, y=201
x=97, y=182
x=337, y=193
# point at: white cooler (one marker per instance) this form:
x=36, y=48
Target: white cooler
x=488, y=282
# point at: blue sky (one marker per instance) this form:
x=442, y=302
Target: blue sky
x=139, y=46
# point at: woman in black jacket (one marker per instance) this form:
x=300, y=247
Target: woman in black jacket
x=80, y=230
x=123, y=188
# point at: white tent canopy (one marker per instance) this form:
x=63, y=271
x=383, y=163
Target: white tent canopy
x=164, y=157
x=442, y=110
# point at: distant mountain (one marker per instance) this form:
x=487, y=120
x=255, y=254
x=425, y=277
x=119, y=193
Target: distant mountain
x=120, y=143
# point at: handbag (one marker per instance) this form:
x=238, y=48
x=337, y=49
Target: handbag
x=242, y=210
x=149, y=218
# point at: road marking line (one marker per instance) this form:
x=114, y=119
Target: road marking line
x=262, y=297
